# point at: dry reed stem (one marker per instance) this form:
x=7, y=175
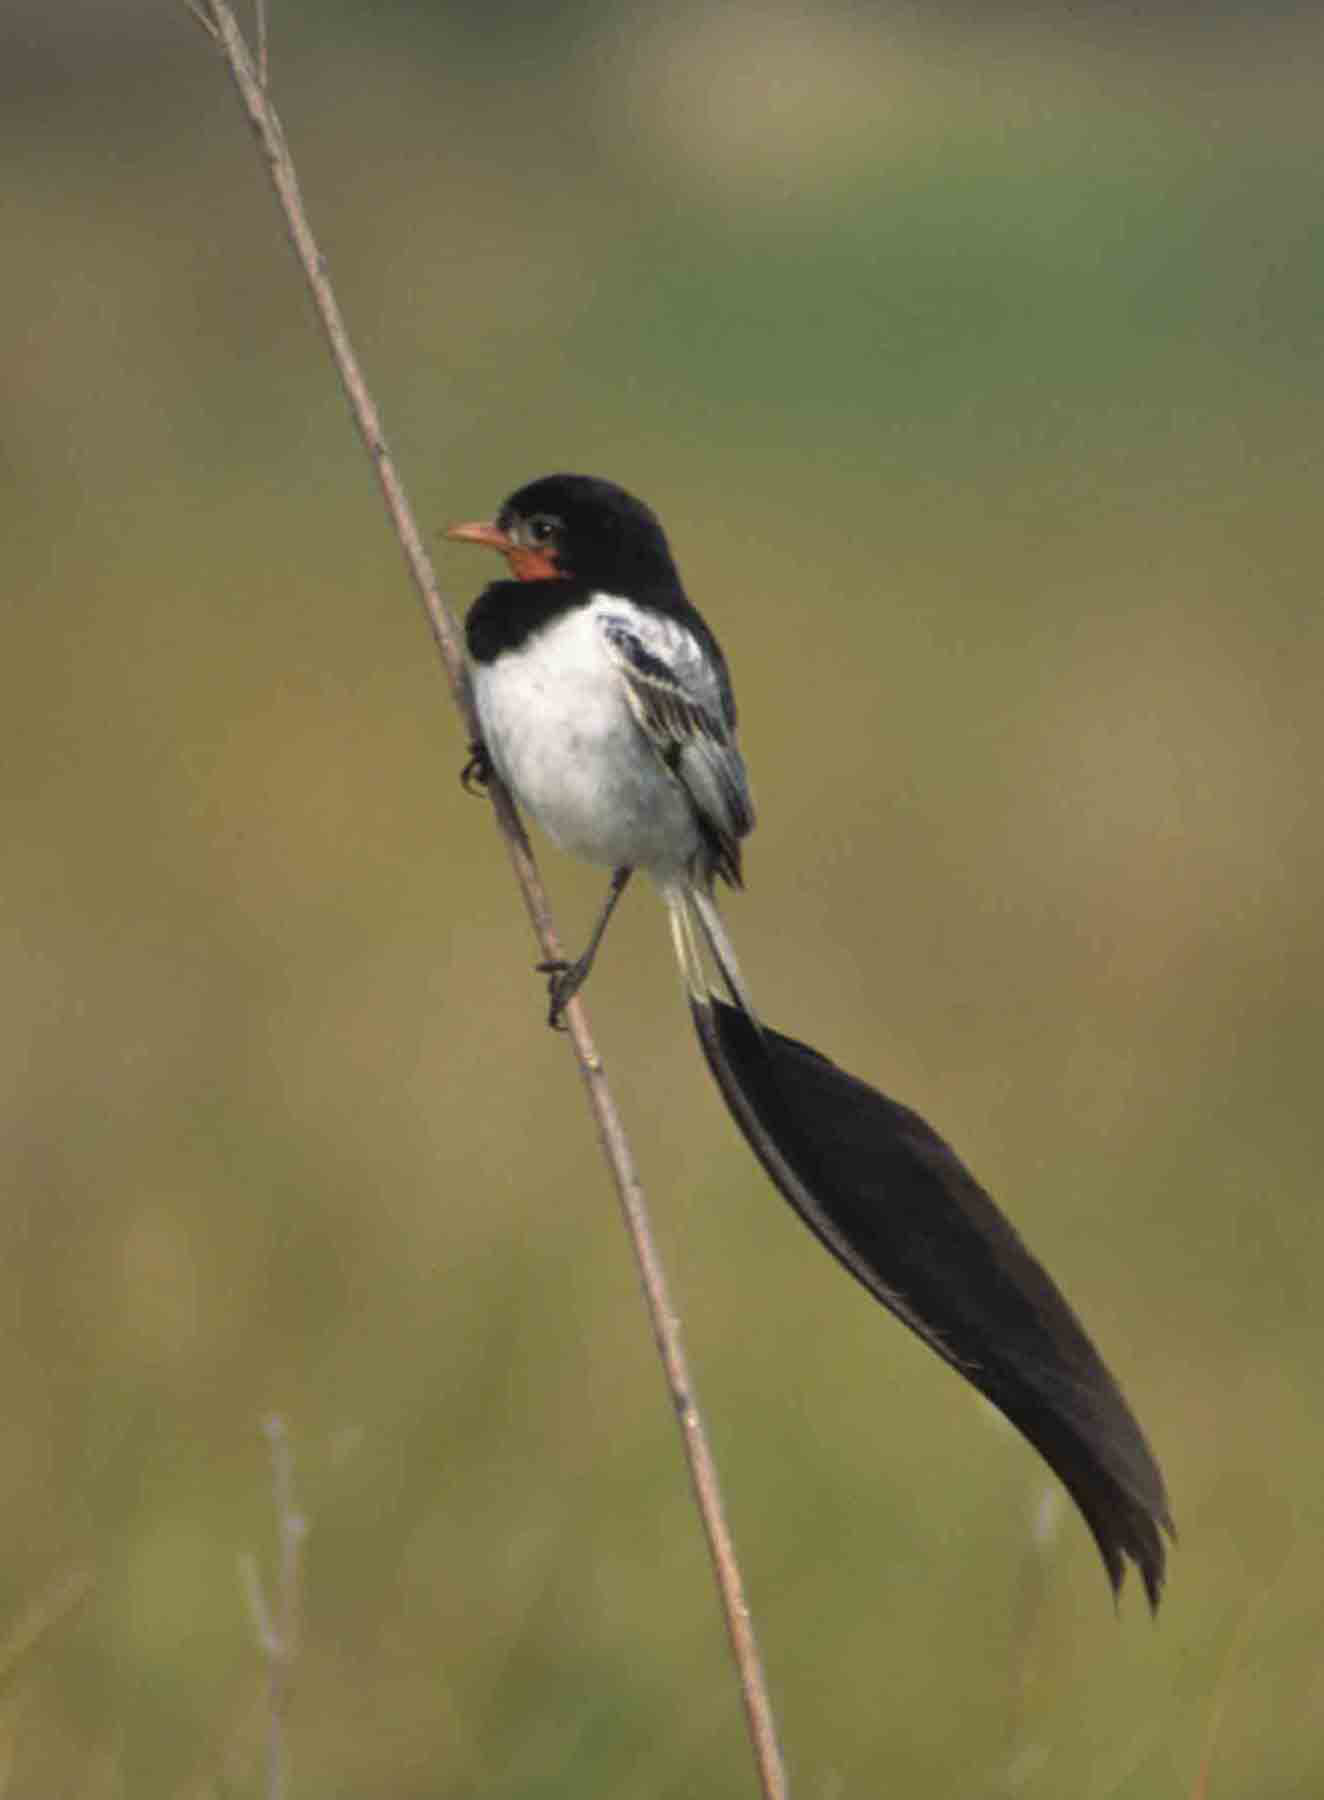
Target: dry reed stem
x=251, y=79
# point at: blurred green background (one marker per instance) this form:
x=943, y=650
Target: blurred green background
x=973, y=359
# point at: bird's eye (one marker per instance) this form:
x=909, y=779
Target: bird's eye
x=542, y=528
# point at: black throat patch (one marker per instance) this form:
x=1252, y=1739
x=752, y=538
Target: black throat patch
x=508, y=613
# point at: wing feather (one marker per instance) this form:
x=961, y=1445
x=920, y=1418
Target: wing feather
x=678, y=691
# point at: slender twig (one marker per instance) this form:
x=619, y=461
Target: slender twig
x=195, y=11
x=248, y=80
x=276, y=1627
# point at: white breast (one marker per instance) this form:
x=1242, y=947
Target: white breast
x=557, y=724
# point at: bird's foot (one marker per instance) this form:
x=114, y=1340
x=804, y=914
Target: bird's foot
x=477, y=772
x=564, y=980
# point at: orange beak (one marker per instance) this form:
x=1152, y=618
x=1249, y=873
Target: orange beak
x=481, y=532
x=525, y=564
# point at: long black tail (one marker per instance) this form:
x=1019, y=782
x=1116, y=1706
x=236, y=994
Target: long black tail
x=893, y=1203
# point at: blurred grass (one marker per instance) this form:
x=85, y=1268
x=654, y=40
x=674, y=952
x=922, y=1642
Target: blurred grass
x=999, y=350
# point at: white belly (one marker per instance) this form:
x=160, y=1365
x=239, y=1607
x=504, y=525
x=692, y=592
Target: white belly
x=559, y=728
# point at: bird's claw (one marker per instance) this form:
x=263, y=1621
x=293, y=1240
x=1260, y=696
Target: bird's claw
x=477, y=772
x=564, y=980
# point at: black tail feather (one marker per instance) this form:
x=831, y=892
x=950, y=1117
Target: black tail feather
x=900, y=1210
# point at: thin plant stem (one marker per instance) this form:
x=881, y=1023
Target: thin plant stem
x=253, y=88
x=276, y=1626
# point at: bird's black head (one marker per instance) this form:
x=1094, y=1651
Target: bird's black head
x=582, y=529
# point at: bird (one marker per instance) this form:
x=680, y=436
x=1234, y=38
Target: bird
x=604, y=703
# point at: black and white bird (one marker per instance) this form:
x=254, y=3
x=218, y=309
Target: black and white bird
x=606, y=707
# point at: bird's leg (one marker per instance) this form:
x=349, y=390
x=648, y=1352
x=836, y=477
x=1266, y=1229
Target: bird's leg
x=564, y=979
x=477, y=772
